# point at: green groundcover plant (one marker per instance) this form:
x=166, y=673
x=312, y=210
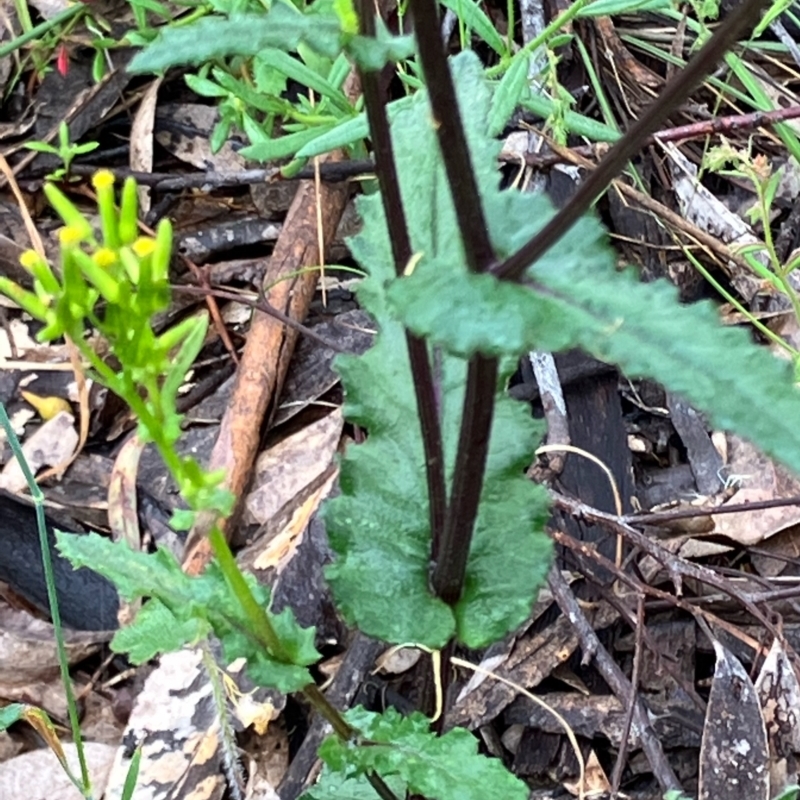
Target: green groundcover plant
x=434, y=505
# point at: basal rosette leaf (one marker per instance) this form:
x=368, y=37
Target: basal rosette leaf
x=379, y=526
x=510, y=554
x=446, y=767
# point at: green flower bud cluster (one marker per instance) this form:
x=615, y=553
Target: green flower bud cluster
x=122, y=272
x=114, y=284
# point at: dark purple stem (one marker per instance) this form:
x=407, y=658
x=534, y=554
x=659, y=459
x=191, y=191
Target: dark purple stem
x=450, y=558
x=421, y=371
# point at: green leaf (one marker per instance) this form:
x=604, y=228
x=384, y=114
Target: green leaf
x=80, y=149
x=261, y=667
x=579, y=299
x=220, y=134
x=381, y=576
x=246, y=93
x=615, y=318
x=372, y=53
x=509, y=92
x=246, y=35
x=789, y=793
x=186, y=607
x=182, y=363
x=298, y=71
x=607, y=8
x=285, y=146
x=446, y=767
x=576, y=123
x=474, y=17
x=204, y=87
x=334, y=786
x=132, y=776
x=346, y=133
x=42, y=147
x=383, y=542
x=156, y=630
x=135, y=574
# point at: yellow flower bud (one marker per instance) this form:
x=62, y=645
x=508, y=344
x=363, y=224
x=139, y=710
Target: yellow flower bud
x=103, y=179
x=105, y=257
x=144, y=246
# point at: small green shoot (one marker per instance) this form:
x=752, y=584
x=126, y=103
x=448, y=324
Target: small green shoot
x=65, y=150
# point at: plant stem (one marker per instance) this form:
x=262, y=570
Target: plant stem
x=673, y=94
x=321, y=703
x=739, y=306
x=543, y=38
x=452, y=553
x=452, y=139
x=421, y=371
x=85, y=783
x=40, y=30
x=447, y=579
x=262, y=626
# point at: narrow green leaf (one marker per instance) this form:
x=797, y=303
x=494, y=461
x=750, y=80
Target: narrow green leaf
x=341, y=135
x=339, y=71
x=446, y=767
x=285, y=146
x=132, y=776
x=246, y=93
x=296, y=70
x=183, y=360
x=509, y=92
x=204, y=87
x=42, y=147
x=220, y=134
x=762, y=101
x=474, y=17
x=576, y=123
x=81, y=149
x=346, y=133
x=607, y=8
